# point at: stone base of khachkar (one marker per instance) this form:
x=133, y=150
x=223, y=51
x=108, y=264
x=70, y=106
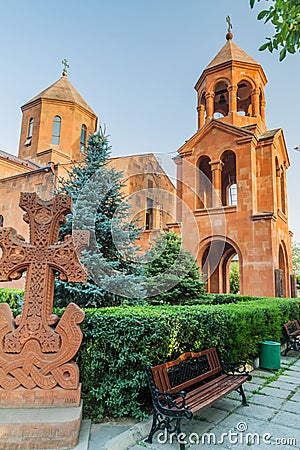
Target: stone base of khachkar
x=40, y=393
x=39, y=428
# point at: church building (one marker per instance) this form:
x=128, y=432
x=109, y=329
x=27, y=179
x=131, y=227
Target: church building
x=232, y=175
x=55, y=127
x=231, y=199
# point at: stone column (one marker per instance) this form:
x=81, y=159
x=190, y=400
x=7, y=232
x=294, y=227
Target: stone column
x=216, y=168
x=262, y=110
x=232, y=90
x=210, y=97
x=201, y=115
x=255, y=102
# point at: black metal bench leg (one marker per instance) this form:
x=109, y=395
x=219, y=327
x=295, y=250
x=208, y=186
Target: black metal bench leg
x=178, y=432
x=154, y=428
x=242, y=393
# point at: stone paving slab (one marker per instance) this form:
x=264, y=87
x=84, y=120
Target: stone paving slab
x=256, y=380
x=294, y=371
x=274, y=392
x=291, y=406
x=256, y=412
x=287, y=378
x=251, y=388
x=261, y=373
x=279, y=435
x=287, y=418
x=296, y=397
x=213, y=415
x=103, y=432
x=282, y=385
x=266, y=400
x=227, y=404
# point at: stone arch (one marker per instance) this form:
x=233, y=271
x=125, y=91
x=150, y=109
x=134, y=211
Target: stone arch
x=204, y=183
x=221, y=98
x=229, y=180
x=244, y=97
x=215, y=256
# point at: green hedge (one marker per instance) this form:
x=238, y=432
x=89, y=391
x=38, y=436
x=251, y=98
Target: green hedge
x=14, y=297
x=119, y=342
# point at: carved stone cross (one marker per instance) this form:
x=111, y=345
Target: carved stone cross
x=34, y=353
x=40, y=258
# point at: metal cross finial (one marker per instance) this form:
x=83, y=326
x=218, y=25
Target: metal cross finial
x=66, y=65
x=228, y=20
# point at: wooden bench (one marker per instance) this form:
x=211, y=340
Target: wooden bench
x=292, y=331
x=192, y=382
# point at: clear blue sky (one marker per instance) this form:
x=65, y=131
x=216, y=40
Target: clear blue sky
x=136, y=62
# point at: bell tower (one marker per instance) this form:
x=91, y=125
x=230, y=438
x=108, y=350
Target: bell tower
x=56, y=124
x=232, y=177
x=231, y=88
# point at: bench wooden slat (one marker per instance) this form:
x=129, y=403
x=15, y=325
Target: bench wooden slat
x=206, y=398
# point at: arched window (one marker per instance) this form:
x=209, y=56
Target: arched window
x=204, y=197
x=282, y=189
x=83, y=138
x=221, y=100
x=244, y=105
x=30, y=129
x=229, y=186
x=56, y=130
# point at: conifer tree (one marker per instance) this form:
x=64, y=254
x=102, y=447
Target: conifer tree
x=99, y=207
x=172, y=272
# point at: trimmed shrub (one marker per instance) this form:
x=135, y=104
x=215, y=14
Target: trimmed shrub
x=119, y=342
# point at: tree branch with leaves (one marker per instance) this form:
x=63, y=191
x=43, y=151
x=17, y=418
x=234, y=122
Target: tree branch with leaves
x=285, y=17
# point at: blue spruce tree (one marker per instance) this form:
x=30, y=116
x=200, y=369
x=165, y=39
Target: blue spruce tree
x=99, y=207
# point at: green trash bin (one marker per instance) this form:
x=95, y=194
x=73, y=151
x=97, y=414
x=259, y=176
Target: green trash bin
x=270, y=355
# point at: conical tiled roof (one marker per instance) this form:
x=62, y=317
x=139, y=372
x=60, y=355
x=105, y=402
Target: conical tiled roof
x=231, y=52
x=62, y=90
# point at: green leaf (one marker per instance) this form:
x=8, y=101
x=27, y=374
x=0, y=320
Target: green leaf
x=282, y=54
x=262, y=14
x=263, y=47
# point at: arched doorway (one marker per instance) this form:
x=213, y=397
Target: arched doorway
x=283, y=271
x=217, y=258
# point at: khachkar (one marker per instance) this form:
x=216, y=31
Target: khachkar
x=36, y=349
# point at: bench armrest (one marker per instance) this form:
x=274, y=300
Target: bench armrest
x=235, y=368
x=172, y=402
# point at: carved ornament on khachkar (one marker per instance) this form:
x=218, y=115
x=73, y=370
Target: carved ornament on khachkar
x=36, y=350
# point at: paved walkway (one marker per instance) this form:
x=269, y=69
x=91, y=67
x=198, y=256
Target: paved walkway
x=272, y=419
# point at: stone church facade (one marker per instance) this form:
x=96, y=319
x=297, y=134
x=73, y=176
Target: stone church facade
x=232, y=175
x=231, y=199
